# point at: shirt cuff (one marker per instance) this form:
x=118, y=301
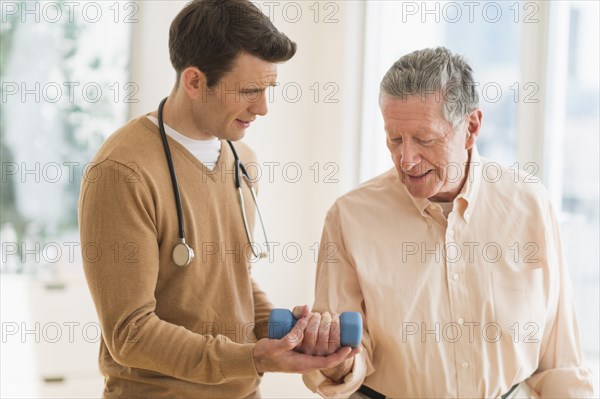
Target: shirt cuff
x=237, y=361
x=318, y=383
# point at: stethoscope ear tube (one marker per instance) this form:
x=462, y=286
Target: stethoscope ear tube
x=239, y=167
x=257, y=254
x=182, y=254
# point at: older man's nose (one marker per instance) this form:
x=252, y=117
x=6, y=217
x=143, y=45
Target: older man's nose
x=410, y=157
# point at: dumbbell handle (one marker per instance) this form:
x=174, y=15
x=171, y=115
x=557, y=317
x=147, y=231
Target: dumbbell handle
x=281, y=322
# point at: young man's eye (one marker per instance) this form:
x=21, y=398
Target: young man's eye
x=251, y=95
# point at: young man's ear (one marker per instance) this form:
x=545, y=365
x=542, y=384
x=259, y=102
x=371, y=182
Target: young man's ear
x=193, y=82
x=473, y=127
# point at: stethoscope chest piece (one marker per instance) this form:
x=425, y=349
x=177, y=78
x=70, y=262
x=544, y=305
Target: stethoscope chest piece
x=182, y=254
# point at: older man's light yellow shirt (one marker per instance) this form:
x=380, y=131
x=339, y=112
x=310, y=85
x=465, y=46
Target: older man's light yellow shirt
x=464, y=306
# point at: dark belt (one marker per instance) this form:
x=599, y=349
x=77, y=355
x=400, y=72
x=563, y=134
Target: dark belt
x=507, y=394
x=365, y=390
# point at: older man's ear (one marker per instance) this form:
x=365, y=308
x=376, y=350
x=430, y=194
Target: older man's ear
x=473, y=127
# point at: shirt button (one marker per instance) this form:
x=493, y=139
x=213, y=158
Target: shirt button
x=465, y=365
x=451, y=233
x=461, y=321
x=455, y=276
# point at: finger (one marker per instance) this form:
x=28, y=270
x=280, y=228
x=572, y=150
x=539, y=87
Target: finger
x=337, y=357
x=334, y=334
x=353, y=352
x=303, y=363
x=322, y=345
x=300, y=311
x=311, y=332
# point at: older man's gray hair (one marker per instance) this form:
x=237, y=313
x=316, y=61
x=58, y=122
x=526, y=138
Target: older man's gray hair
x=439, y=71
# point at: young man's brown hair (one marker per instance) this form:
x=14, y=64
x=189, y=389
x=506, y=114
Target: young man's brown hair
x=210, y=34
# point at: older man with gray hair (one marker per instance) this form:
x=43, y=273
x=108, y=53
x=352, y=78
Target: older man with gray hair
x=454, y=261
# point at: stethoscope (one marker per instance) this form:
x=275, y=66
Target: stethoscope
x=183, y=254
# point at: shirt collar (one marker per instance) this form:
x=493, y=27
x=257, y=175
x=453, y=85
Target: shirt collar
x=468, y=193
x=472, y=184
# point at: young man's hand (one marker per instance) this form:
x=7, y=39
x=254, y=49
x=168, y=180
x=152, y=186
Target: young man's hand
x=318, y=352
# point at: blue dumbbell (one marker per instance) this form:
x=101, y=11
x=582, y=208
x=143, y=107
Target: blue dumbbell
x=281, y=321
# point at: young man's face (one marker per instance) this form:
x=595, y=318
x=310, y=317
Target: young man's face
x=430, y=156
x=227, y=109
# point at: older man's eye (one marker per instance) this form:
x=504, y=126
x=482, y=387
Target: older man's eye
x=424, y=141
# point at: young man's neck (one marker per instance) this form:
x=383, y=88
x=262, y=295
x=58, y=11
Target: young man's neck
x=178, y=114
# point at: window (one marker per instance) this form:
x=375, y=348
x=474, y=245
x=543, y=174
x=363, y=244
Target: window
x=61, y=96
x=576, y=132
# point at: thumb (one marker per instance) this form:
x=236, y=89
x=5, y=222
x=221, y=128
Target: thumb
x=296, y=334
x=300, y=311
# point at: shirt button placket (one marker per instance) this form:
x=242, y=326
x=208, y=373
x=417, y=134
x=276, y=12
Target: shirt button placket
x=456, y=288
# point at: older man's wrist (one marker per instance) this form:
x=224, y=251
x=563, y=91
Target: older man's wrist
x=337, y=373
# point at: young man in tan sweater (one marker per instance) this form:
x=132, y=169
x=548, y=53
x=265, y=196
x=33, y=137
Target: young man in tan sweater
x=196, y=330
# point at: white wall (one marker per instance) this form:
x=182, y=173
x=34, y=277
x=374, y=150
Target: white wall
x=302, y=131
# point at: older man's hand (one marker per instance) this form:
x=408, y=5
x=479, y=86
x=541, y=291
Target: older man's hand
x=322, y=334
x=294, y=353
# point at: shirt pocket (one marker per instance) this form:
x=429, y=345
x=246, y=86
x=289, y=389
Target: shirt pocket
x=519, y=308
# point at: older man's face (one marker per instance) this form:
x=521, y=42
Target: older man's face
x=430, y=157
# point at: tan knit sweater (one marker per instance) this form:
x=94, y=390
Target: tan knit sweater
x=169, y=331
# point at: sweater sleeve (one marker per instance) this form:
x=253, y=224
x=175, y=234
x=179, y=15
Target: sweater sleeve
x=119, y=241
